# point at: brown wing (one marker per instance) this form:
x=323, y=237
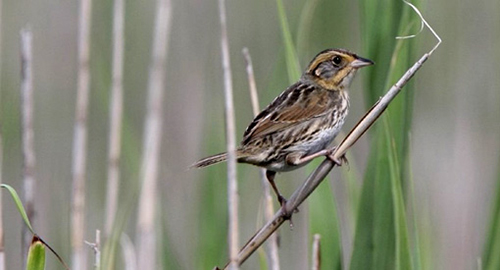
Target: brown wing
x=296, y=105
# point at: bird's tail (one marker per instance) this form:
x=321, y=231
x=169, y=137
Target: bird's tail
x=211, y=160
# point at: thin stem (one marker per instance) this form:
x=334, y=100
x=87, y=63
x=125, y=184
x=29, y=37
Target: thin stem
x=115, y=116
x=79, y=260
x=424, y=22
x=128, y=253
x=96, y=247
x=272, y=253
x=27, y=134
x=146, y=236
x=232, y=184
x=2, y=251
x=316, y=253
x=254, y=96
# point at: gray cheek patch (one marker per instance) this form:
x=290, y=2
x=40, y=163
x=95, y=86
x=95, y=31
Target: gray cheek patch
x=325, y=70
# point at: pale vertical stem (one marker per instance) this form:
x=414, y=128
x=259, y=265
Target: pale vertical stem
x=316, y=253
x=128, y=253
x=254, y=96
x=232, y=184
x=27, y=134
x=272, y=253
x=79, y=259
x=2, y=251
x=116, y=112
x=146, y=244
x=96, y=247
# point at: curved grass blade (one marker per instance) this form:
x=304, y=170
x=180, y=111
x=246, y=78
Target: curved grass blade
x=19, y=205
x=24, y=216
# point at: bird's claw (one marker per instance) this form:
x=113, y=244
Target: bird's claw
x=338, y=161
x=287, y=215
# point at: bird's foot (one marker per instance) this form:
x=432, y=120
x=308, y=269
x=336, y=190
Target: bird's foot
x=287, y=215
x=338, y=161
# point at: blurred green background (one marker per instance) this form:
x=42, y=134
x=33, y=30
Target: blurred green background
x=448, y=161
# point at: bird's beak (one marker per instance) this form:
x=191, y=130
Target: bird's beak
x=361, y=62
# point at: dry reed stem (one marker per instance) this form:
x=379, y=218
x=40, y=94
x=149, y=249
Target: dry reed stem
x=96, y=248
x=272, y=244
x=317, y=176
x=146, y=236
x=316, y=253
x=29, y=159
x=128, y=253
x=232, y=184
x=79, y=258
x=2, y=253
x=116, y=112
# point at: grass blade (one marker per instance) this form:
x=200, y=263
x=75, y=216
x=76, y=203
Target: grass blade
x=323, y=220
x=19, y=205
x=491, y=260
x=36, y=255
x=382, y=237
x=403, y=258
x=292, y=62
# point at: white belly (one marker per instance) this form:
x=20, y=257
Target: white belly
x=321, y=141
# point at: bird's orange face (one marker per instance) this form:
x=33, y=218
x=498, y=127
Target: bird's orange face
x=334, y=69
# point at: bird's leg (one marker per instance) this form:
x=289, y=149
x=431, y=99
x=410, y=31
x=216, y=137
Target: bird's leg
x=325, y=152
x=270, y=177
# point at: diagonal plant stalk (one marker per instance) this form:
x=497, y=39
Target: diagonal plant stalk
x=317, y=176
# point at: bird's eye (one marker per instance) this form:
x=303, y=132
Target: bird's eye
x=337, y=60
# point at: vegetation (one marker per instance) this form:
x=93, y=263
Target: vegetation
x=422, y=187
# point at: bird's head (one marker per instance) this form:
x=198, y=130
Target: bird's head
x=334, y=69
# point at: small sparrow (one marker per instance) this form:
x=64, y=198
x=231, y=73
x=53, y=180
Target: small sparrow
x=302, y=121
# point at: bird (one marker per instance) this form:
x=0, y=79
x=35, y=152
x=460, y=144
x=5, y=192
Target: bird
x=299, y=124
